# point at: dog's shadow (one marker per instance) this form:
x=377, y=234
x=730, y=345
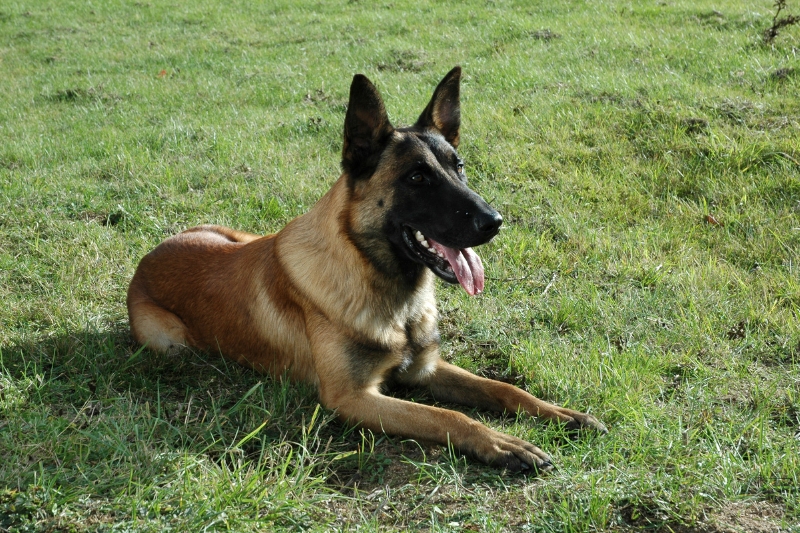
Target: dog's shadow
x=102, y=385
x=97, y=386
x=86, y=366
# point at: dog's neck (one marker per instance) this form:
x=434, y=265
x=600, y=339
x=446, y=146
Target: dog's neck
x=325, y=234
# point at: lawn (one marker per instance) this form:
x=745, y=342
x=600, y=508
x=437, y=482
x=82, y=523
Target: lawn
x=645, y=156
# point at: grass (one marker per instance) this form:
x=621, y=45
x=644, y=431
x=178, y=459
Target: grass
x=644, y=156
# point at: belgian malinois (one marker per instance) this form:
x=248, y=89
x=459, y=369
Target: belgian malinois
x=343, y=296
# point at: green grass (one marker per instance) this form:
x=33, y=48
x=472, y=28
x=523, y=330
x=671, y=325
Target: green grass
x=605, y=132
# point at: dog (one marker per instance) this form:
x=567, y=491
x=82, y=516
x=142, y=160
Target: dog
x=343, y=296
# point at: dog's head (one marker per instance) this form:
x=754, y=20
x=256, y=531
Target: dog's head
x=411, y=207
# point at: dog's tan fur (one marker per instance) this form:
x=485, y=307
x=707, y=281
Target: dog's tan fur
x=310, y=302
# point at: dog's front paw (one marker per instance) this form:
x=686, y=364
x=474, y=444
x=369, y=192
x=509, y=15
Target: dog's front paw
x=584, y=421
x=513, y=454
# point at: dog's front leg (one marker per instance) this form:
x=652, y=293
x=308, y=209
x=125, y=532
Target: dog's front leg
x=349, y=378
x=369, y=409
x=450, y=383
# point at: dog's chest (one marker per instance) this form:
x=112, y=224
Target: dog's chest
x=394, y=342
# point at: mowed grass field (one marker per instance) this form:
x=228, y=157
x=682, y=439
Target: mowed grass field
x=645, y=156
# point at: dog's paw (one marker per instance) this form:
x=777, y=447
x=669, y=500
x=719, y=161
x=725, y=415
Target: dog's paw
x=510, y=453
x=585, y=421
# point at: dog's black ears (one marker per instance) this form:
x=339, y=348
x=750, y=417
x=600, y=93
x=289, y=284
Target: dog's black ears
x=366, y=128
x=443, y=113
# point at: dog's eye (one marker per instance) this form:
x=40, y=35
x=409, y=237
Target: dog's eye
x=416, y=178
x=460, y=168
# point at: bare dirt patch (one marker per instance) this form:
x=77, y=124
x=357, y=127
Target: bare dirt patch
x=748, y=517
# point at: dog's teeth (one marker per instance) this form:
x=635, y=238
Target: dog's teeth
x=419, y=236
x=440, y=254
x=424, y=243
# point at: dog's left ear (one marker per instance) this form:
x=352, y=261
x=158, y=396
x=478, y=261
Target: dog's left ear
x=443, y=113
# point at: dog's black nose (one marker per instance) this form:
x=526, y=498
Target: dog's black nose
x=488, y=222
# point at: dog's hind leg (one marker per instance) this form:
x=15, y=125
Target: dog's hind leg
x=154, y=326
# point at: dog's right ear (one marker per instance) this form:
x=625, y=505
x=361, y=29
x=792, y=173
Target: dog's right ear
x=366, y=128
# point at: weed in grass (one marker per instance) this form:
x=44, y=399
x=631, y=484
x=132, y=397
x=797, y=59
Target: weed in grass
x=778, y=22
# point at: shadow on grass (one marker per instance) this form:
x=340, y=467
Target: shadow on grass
x=76, y=368
x=94, y=423
x=100, y=390
x=96, y=410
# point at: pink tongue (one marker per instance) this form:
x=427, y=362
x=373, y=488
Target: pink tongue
x=467, y=266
